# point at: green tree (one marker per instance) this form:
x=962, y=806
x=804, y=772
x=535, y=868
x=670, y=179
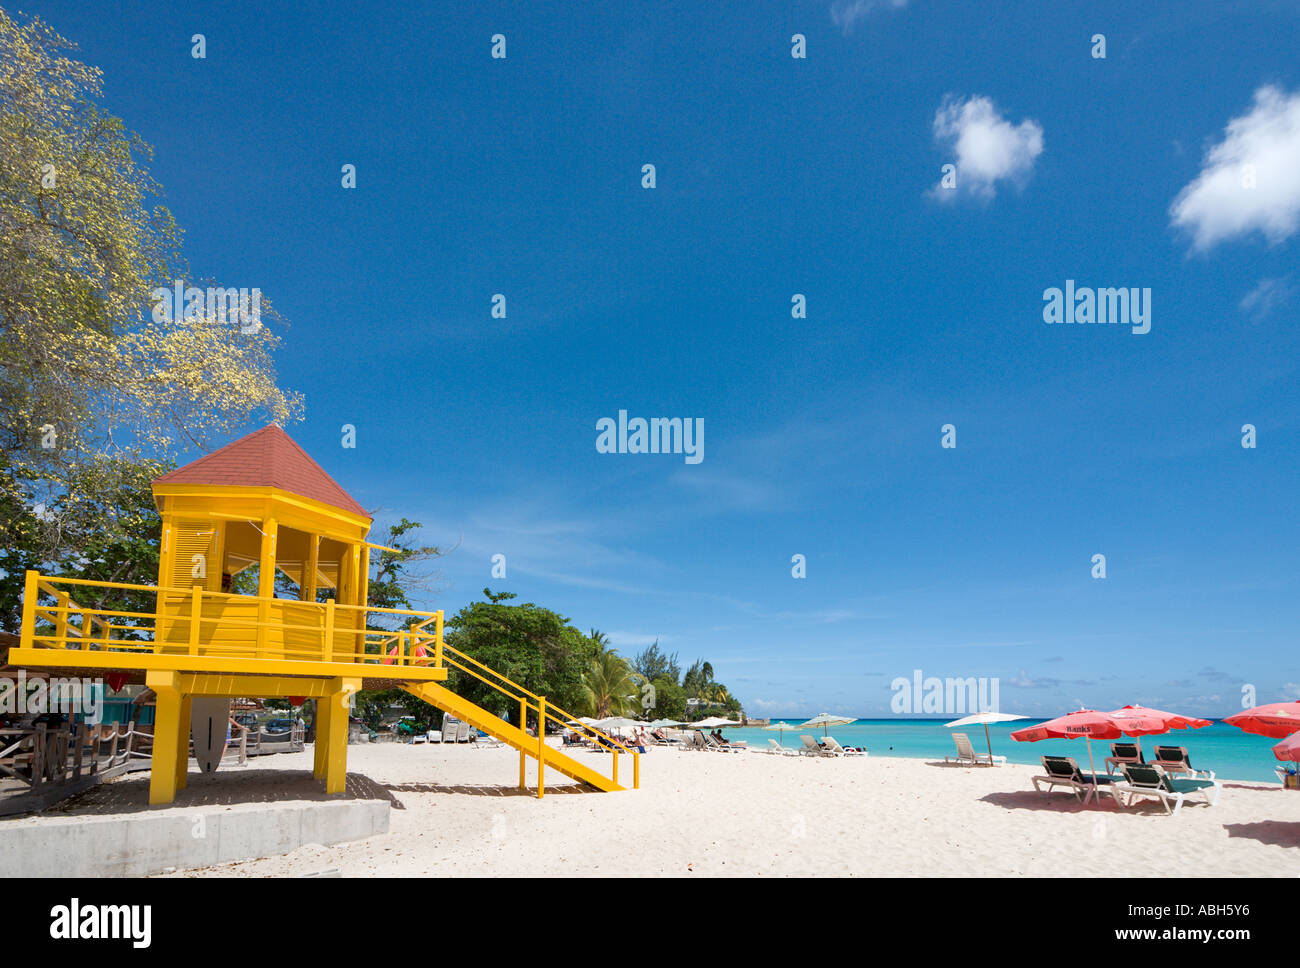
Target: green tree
x=669, y=699
x=104, y=528
x=654, y=665
x=531, y=645
x=392, y=580
x=392, y=577
x=88, y=375
x=609, y=687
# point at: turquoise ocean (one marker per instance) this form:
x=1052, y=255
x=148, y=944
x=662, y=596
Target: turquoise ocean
x=1230, y=753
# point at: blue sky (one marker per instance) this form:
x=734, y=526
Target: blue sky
x=778, y=176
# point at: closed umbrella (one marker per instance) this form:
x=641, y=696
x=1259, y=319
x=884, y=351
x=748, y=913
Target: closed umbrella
x=983, y=719
x=1087, y=723
x=1278, y=719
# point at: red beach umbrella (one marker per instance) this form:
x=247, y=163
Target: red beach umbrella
x=420, y=653
x=1140, y=721
x=1277, y=719
x=1289, y=748
x=1088, y=723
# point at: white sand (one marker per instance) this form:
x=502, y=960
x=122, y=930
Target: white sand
x=457, y=812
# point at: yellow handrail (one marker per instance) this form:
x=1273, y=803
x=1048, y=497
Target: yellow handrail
x=405, y=643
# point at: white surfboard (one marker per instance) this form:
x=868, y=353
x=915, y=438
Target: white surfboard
x=209, y=722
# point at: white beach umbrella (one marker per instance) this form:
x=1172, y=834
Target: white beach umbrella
x=826, y=721
x=617, y=722
x=713, y=722
x=661, y=723
x=983, y=719
x=781, y=728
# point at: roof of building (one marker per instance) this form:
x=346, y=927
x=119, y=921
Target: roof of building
x=266, y=458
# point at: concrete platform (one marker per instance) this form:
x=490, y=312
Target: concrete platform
x=140, y=843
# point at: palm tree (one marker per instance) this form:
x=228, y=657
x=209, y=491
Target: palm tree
x=608, y=686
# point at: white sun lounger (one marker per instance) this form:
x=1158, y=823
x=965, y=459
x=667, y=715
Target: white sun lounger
x=966, y=755
x=1150, y=780
x=837, y=750
x=811, y=748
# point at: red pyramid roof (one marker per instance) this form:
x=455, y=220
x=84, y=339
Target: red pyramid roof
x=265, y=458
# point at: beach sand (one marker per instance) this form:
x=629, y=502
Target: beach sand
x=456, y=811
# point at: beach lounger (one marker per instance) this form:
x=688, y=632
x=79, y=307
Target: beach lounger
x=1174, y=759
x=1121, y=753
x=462, y=732
x=775, y=747
x=712, y=742
x=695, y=741
x=837, y=750
x=812, y=748
x=966, y=755
x=448, y=729
x=1063, y=771
x=1150, y=780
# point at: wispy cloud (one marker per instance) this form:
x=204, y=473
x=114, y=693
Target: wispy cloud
x=846, y=13
x=1267, y=296
x=1250, y=181
x=987, y=147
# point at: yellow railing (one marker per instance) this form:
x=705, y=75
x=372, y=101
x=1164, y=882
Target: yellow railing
x=542, y=709
x=201, y=622
x=178, y=625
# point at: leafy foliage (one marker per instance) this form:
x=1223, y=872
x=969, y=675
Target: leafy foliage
x=531, y=645
x=90, y=381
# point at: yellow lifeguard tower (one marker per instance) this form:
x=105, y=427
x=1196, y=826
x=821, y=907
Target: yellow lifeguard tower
x=262, y=502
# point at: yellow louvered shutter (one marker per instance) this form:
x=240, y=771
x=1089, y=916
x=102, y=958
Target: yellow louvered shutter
x=192, y=538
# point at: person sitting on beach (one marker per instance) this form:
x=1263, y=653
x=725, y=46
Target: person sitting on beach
x=639, y=741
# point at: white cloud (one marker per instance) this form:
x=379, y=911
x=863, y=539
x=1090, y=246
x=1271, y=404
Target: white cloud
x=847, y=13
x=1268, y=295
x=1261, y=147
x=987, y=148
x=636, y=640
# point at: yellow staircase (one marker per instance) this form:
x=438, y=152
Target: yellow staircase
x=480, y=718
x=197, y=642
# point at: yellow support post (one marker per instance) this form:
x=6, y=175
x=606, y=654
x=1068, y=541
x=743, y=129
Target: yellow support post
x=307, y=590
x=196, y=613
x=636, y=770
x=183, y=742
x=523, y=726
x=265, y=582
x=541, y=746
x=323, y=707
x=336, y=757
x=614, y=777
x=31, y=591
x=61, y=620
x=437, y=648
x=327, y=652
x=166, y=729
